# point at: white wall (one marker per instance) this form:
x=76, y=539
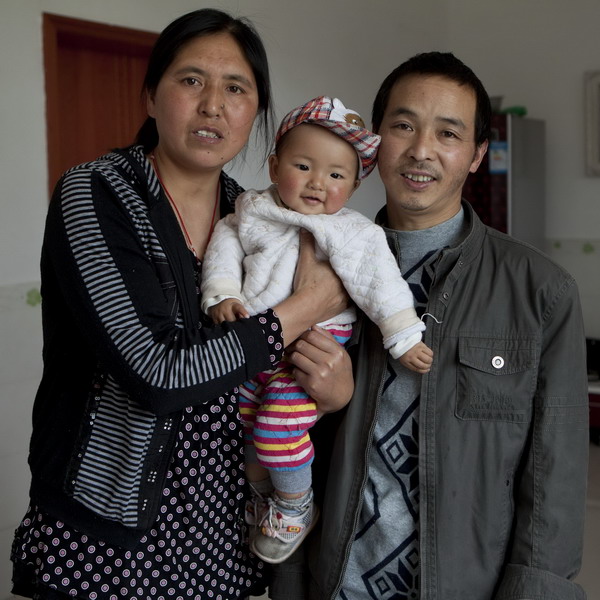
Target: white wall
x=534, y=52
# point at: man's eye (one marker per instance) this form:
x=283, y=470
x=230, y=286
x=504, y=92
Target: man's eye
x=191, y=81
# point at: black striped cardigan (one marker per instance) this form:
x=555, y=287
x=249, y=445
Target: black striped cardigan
x=124, y=351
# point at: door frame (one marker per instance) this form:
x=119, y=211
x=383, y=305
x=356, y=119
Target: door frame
x=55, y=27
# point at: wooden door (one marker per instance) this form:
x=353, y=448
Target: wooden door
x=94, y=76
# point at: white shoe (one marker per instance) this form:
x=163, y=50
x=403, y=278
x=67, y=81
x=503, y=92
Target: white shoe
x=280, y=534
x=255, y=511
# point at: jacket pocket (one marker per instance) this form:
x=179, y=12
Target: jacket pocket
x=496, y=378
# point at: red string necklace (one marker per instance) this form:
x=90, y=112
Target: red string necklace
x=188, y=239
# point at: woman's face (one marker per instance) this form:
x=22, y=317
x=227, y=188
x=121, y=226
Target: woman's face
x=205, y=104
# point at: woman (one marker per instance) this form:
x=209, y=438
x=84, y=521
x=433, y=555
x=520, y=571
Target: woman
x=136, y=453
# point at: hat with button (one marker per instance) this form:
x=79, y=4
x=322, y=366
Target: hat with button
x=346, y=123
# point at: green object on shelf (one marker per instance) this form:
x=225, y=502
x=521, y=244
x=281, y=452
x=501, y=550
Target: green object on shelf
x=519, y=111
x=588, y=248
x=33, y=297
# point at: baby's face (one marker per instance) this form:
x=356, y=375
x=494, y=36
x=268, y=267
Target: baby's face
x=315, y=171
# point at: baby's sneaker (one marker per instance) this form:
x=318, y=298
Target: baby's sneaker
x=284, y=527
x=255, y=510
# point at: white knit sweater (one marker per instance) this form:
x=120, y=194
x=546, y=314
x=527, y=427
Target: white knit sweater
x=253, y=254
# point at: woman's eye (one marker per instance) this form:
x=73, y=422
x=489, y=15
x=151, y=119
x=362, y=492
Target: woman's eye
x=235, y=89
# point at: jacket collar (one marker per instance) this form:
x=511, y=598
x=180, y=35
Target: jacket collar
x=468, y=249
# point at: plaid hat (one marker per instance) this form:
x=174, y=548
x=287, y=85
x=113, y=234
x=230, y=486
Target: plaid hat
x=347, y=124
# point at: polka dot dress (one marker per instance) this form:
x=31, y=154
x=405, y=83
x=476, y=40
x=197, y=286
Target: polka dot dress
x=196, y=548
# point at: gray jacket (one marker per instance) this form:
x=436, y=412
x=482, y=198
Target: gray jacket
x=503, y=432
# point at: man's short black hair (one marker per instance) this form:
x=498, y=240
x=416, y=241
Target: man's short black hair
x=446, y=65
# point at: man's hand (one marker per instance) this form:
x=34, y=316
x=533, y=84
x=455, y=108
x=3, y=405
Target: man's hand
x=323, y=368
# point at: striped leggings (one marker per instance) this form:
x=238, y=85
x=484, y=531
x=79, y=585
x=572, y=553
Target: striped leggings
x=277, y=414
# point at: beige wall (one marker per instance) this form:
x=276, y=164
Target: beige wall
x=533, y=53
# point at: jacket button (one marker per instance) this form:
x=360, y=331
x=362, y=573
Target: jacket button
x=445, y=295
x=497, y=362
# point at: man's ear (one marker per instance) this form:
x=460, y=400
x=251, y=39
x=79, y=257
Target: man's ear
x=479, y=154
x=273, y=167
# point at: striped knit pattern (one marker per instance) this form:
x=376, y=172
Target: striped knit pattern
x=118, y=423
x=108, y=479
x=278, y=413
x=285, y=414
x=162, y=366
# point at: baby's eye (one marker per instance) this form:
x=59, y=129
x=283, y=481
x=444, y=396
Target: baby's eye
x=302, y=167
x=337, y=176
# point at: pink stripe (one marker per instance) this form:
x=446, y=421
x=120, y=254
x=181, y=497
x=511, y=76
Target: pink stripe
x=287, y=425
x=282, y=453
x=292, y=463
x=248, y=405
x=343, y=333
x=271, y=411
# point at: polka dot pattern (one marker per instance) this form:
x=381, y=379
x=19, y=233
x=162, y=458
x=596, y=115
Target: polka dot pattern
x=195, y=549
x=272, y=331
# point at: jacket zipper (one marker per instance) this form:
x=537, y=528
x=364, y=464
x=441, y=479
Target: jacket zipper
x=367, y=452
x=362, y=488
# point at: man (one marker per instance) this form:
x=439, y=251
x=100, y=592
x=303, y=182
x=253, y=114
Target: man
x=467, y=482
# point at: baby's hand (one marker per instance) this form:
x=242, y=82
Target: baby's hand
x=230, y=309
x=419, y=358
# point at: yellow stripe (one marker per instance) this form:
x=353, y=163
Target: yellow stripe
x=280, y=375
x=282, y=444
x=288, y=409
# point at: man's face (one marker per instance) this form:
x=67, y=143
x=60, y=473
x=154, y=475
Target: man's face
x=427, y=149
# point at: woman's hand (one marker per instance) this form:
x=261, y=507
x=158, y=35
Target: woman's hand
x=318, y=293
x=318, y=278
x=323, y=368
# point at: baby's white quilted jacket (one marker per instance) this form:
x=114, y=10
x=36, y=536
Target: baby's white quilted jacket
x=253, y=253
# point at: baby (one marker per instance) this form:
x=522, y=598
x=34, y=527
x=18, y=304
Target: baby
x=322, y=152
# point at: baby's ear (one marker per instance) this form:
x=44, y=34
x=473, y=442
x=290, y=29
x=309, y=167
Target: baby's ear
x=273, y=167
x=356, y=186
